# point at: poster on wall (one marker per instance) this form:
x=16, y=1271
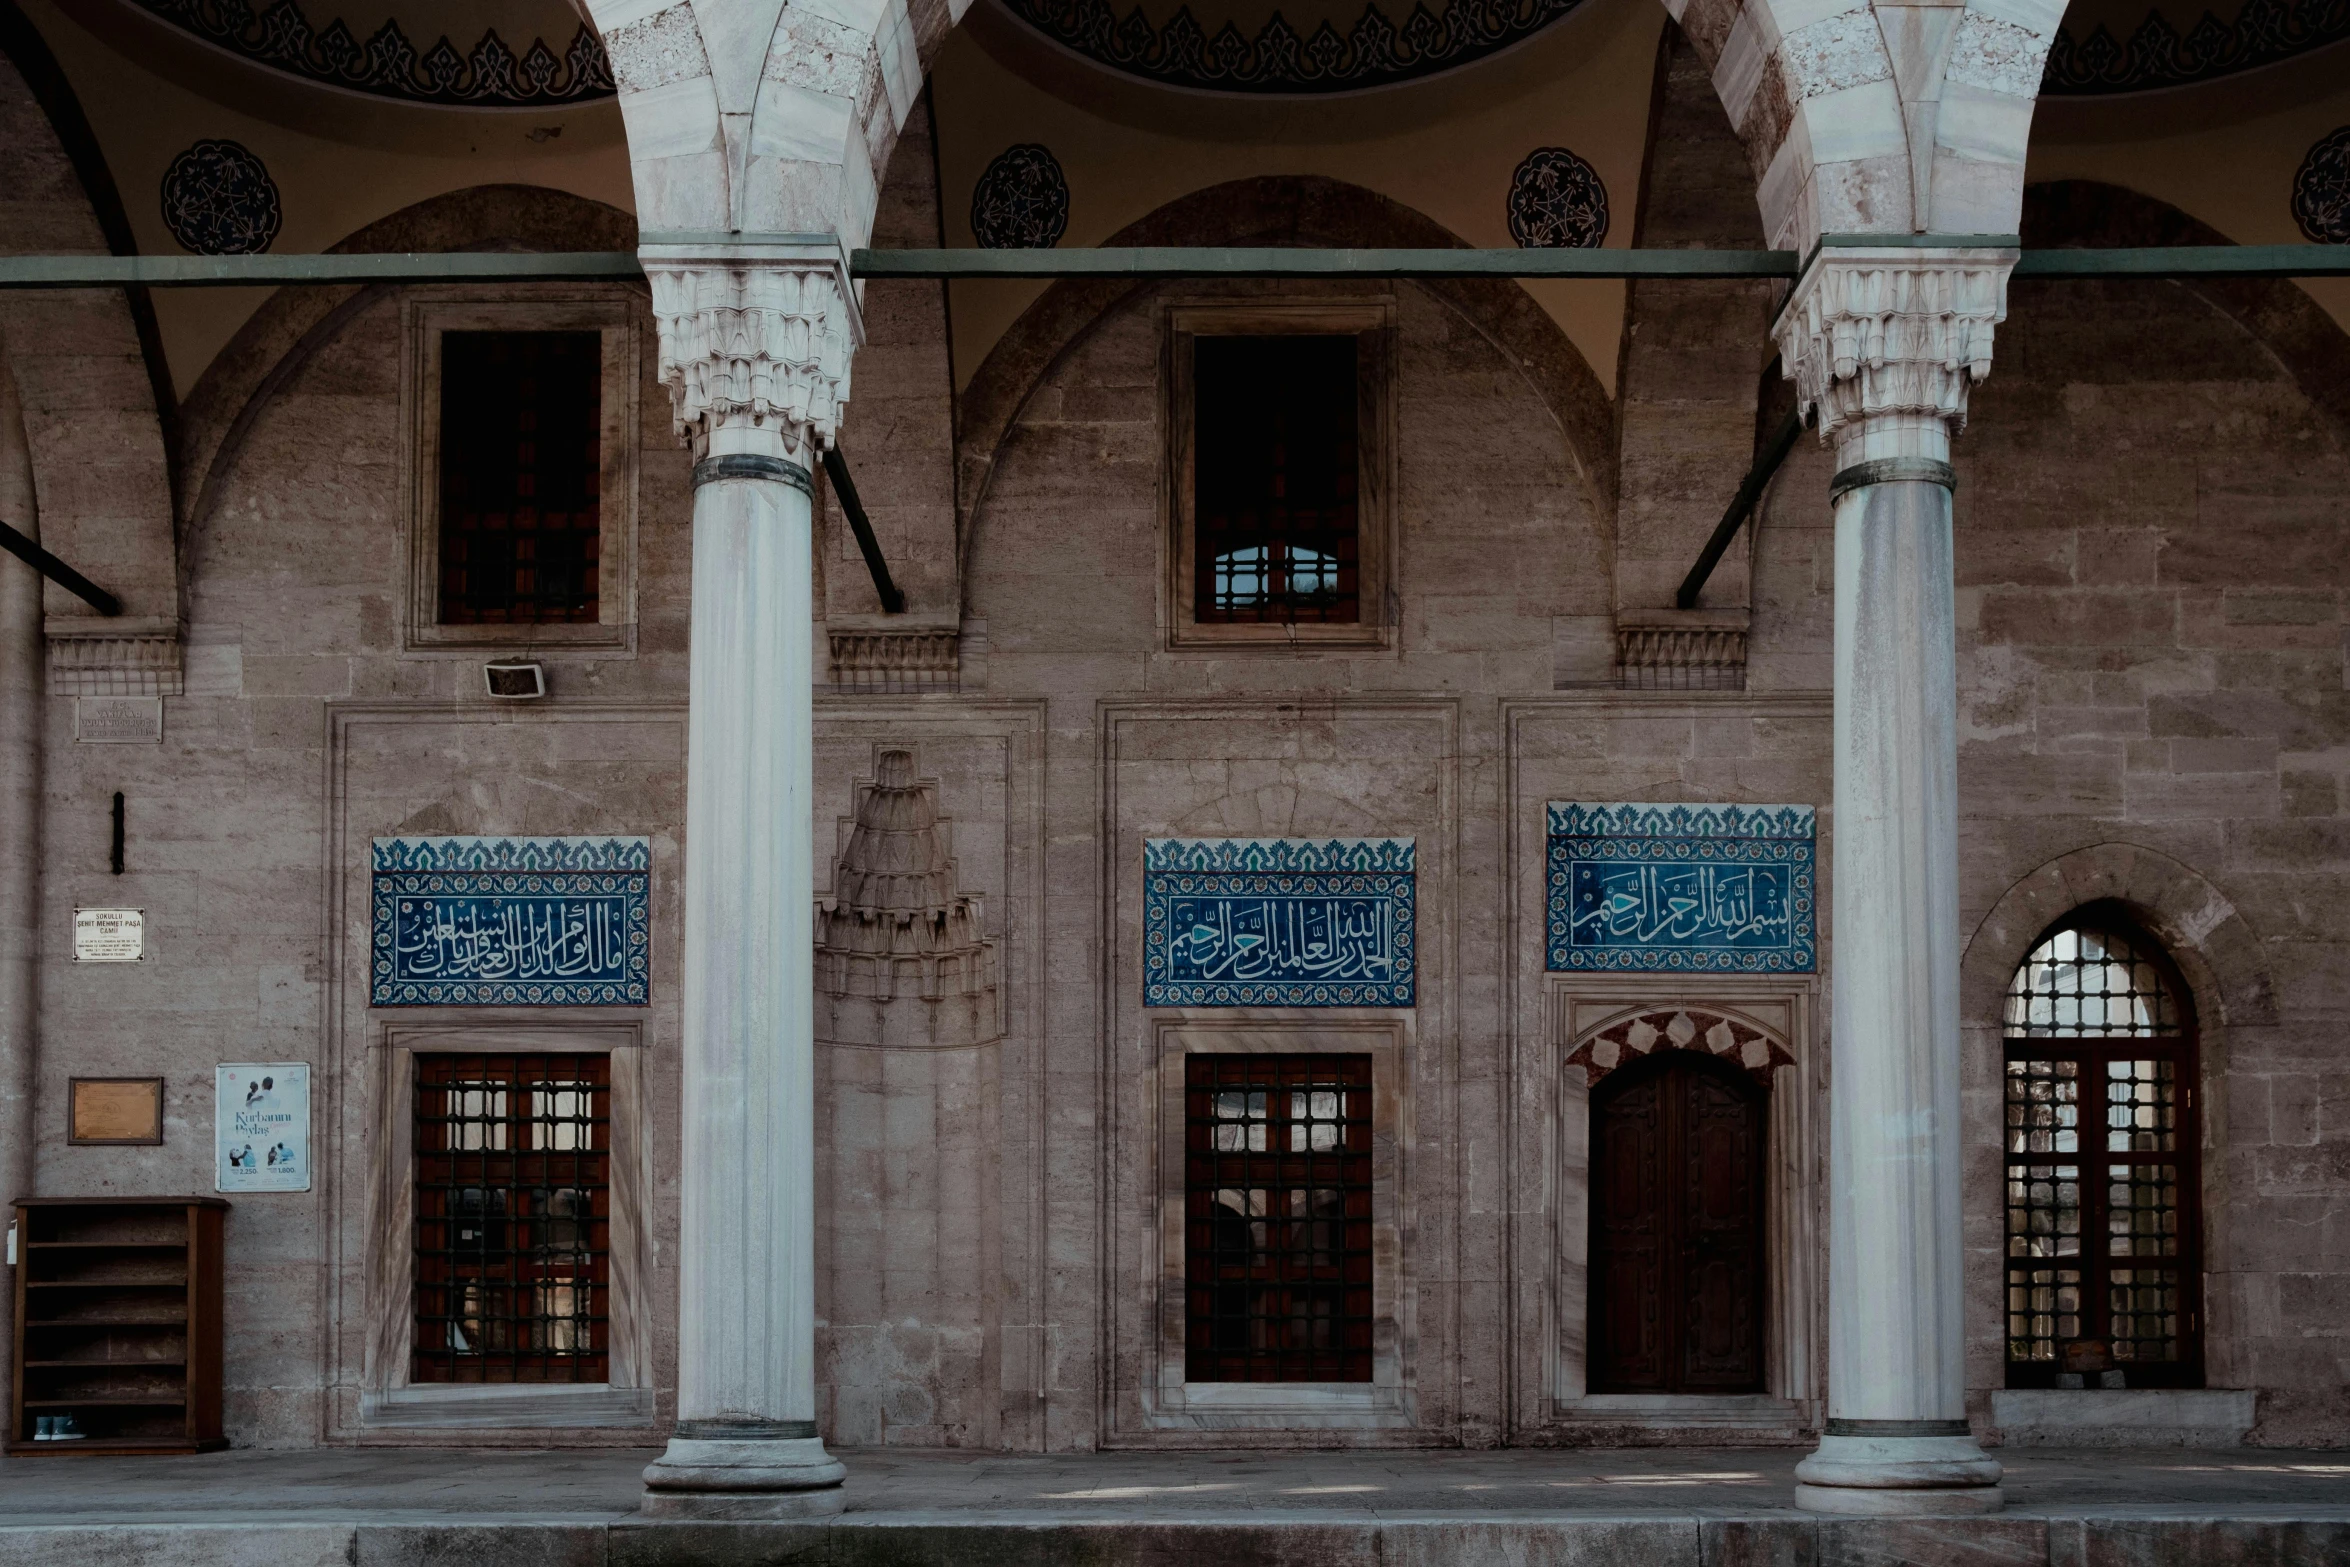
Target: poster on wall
x=1655, y=886
x=261, y=1127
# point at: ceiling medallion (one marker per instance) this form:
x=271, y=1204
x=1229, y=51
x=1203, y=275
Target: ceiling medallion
x=1376, y=52
x=493, y=76
x=2321, y=191
x=2159, y=55
x=1556, y=199
x=219, y=201
x=1021, y=202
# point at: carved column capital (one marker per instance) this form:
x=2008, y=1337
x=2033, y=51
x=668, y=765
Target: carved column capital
x=1886, y=342
x=756, y=339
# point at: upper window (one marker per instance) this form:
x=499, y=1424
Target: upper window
x=521, y=479
x=521, y=427
x=513, y=1218
x=2104, y=1272
x=1277, y=418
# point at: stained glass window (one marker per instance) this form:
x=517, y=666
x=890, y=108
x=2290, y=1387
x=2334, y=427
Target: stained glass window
x=2101, y=1163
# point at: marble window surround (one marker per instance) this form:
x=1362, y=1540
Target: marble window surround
x=388, y=1401
x=425, y=314
x=1372, y=321
x=1389, y=1400
x=1782, y=1007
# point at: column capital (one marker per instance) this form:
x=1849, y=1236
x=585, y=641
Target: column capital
x=1886, y=341
x=756, y=334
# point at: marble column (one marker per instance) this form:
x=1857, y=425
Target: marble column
x=754, y=346
x=1885, y=344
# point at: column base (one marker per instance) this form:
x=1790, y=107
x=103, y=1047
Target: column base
x=1899, y=1476
x=734, y=1478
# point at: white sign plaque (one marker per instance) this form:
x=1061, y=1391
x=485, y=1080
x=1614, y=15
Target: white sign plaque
x=261, y=1127
x=109, y=935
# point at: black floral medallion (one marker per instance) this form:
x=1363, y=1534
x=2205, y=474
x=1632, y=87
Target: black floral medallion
x=220, y=201
x=2321, y=191
x=1021, y=202
x=1556, y=199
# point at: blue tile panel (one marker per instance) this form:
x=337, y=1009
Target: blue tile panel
x=532, y=922
x=1277, y=922
x=1724, y=889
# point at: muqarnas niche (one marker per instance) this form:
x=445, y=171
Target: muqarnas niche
x=1278, y=922
x=900, y=958
x=532, y=922
x=1689, y=888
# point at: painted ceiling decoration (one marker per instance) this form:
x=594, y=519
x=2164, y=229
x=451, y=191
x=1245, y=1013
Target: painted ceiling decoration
x=492, y=76
x=218, y=200
x=1022, y=201
x=1556, y=199
x=2321, y=191
x=1376, y=52
x=2159, y=55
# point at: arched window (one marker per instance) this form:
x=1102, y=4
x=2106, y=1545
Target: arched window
x=2104, y=1271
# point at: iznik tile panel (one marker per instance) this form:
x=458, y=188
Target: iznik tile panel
x=1277, y=922
x=529, y=922
x=1725, y=889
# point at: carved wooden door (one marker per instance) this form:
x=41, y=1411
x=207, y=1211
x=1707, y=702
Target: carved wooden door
x=1677, y=1228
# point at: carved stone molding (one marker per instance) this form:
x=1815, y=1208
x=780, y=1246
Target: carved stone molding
x=755, y=342
x=1681, y=649
x=1732, y=1038
x=117, y=656
x=912, y=658
x=1893, y=337
x=900, y=958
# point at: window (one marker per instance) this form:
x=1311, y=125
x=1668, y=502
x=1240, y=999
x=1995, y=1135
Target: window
x=1277, y=1218
x=521, y=420
x=1274, y=479
x=513, y=1218
x=2103, y=1262
x=1277, y=417
x=522, y=414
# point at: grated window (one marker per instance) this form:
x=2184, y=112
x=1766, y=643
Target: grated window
x=2101, y=1161
x=513, y=1218
x=521, y=469
x=1275, y=473
x=1277, y=1250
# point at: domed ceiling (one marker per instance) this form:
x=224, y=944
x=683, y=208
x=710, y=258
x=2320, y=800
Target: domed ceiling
x=481, y=54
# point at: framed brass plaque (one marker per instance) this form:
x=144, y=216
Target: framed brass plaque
x=114, y=1110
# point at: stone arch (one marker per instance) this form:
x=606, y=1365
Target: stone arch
x=2213, y=944
x=1724, y=1032
x=293, y=324
x=1280, y=210
x=775, y=116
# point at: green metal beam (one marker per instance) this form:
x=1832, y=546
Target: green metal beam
x=265, y=271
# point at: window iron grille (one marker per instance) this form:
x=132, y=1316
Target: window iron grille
x=521, y=470
x=1277, y=1218
x=1276, y=469
x=513, y=1218
x=2102, y=1154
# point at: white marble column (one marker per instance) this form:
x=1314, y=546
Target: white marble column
x=1885, y=343
x=755, y=346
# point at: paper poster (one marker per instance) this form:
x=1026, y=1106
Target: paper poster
x=109, y=935
x=261, y=1127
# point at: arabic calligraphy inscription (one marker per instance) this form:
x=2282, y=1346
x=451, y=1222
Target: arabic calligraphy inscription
x=511, y=922
x=1727, y=889
x=1280, y=922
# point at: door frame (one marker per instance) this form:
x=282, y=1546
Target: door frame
x=1577, y=1008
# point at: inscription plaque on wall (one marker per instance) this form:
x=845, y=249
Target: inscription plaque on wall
x=1694, y=888
x=1278, y=922
x=113, y=1111
x=109, y=935
x=511, y=922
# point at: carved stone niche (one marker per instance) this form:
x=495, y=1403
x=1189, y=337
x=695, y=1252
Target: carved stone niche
x=1681, y=649
x=900, y=960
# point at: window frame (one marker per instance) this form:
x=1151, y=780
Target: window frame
x=1371, y=322
x=2092, y=1051
x=613, y=315
x=389, y=1398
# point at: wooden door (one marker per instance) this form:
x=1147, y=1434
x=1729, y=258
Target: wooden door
x=1677, y=1228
